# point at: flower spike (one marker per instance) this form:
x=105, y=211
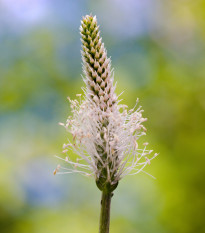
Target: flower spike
x=105, y=134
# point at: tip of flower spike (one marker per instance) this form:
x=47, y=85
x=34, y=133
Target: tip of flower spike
x=89, y=19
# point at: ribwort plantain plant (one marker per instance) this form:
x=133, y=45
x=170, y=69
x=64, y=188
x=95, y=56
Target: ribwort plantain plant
x=104, y=134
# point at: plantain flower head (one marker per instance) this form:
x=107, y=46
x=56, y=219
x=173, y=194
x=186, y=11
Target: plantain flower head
x=104, y=133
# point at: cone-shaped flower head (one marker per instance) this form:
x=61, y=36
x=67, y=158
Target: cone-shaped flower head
x=96, y=65
x=104, y=134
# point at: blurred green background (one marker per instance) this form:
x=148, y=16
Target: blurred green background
x=158, y=53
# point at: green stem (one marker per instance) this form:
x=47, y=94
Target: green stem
x=105, y=212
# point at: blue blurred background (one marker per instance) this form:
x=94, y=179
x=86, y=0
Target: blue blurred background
x=158, y=53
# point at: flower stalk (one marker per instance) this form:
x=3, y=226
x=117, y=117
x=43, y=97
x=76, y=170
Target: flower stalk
x=105, y=212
